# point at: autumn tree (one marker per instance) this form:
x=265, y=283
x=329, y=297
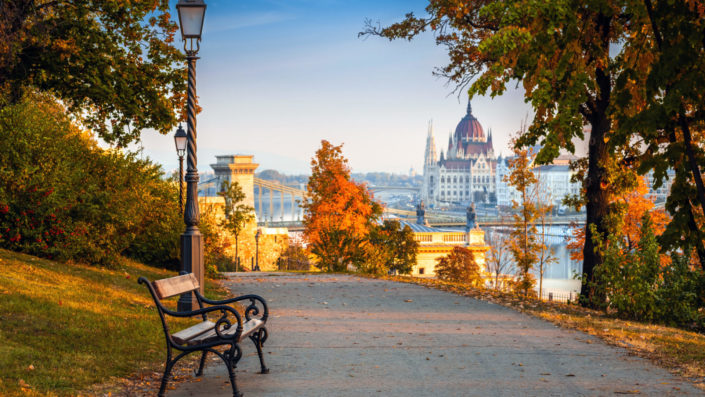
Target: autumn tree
x=499, y=261
x=560, y=52
x=338, y=213
x=544, y=207
x=111, y=63
x=391, y=248
x=236, y=214
x=523, y=242
x=666, y=52
x=628, y=210
x=459, y=266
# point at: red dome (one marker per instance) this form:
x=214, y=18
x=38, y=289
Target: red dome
x=469, y=128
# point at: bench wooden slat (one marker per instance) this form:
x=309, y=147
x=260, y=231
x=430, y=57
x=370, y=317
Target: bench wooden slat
x=168, y=287
x=185, y=335
x=247, y=329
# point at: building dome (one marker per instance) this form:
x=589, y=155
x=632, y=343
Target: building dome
x=469, y=129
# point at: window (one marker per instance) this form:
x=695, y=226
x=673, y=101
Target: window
x=422, y=270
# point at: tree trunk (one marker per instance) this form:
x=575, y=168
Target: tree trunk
x=597, y=201
x=597, y=205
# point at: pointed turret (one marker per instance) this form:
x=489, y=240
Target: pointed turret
x=451, y=146
x=469, y=107
x=430, y=155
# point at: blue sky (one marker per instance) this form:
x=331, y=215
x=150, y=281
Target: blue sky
x=276, y=77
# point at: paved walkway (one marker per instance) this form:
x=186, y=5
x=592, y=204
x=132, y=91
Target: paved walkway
x=334, y=335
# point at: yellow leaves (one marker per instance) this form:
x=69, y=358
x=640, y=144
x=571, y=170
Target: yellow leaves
x=24, y=386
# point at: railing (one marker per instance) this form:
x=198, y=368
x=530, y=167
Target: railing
x=454, y=238
x=423, y=238
x=559, y=296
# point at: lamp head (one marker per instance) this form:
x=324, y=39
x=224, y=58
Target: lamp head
x=191, y=14
x=180, y=140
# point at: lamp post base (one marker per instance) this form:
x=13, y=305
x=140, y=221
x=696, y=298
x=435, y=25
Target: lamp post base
x=191, y=262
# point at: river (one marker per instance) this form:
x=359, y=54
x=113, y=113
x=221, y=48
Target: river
x=559, y=277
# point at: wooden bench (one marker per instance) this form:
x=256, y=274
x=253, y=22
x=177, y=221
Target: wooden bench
x=228, y=330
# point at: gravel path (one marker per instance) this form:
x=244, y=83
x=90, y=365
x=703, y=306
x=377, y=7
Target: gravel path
x=337, y=335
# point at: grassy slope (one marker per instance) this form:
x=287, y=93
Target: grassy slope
x=65, y=327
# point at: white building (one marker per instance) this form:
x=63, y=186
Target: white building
x=466, y=173
x=554, y=182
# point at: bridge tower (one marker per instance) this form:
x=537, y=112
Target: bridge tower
x=239, y=168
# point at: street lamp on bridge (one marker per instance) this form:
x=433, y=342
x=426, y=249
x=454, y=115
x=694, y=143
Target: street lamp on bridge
x=191, y=14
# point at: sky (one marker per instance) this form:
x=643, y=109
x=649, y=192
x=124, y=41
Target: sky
x=277, y=76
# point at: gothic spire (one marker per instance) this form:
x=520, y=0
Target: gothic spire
x=430, y=155
x=469, y=107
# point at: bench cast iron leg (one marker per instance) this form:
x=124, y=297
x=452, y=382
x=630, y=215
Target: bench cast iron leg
x=231, y=358
x=167, y=370
x=203, y=361
x=165, y=378
x=259, y=338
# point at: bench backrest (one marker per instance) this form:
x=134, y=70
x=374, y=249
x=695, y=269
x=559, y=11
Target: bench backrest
x=173, y=286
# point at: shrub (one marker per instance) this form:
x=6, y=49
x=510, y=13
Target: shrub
x=638, y=286
x=459, y=266
x=63, y=197
x=678, y=296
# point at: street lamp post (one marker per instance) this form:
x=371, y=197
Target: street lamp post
x=257, y=236
x=180, y=139
x=191, y=13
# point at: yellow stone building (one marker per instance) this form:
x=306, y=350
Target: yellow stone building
x=435, y=243
x=272, y=241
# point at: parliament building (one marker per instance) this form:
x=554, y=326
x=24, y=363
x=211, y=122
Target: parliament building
x=465, y=172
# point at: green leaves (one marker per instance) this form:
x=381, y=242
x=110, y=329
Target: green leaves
x=68, y=199
x=236, y=214
x=111, y=62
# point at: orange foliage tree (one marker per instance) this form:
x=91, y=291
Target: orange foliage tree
x=339, y=212
x=629, y=209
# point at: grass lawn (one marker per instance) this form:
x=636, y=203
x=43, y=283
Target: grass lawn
x=680, y=351
x=65, y=327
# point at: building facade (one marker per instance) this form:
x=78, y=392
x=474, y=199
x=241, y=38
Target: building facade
x=553, y=182
x=465, y=172
x=436, y=243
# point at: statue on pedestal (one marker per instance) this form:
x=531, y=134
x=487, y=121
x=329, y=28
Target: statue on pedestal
x=421, y=214
x=470, y=216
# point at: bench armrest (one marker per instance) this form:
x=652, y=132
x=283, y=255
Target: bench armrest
x=250, y=311
x=221, y=325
